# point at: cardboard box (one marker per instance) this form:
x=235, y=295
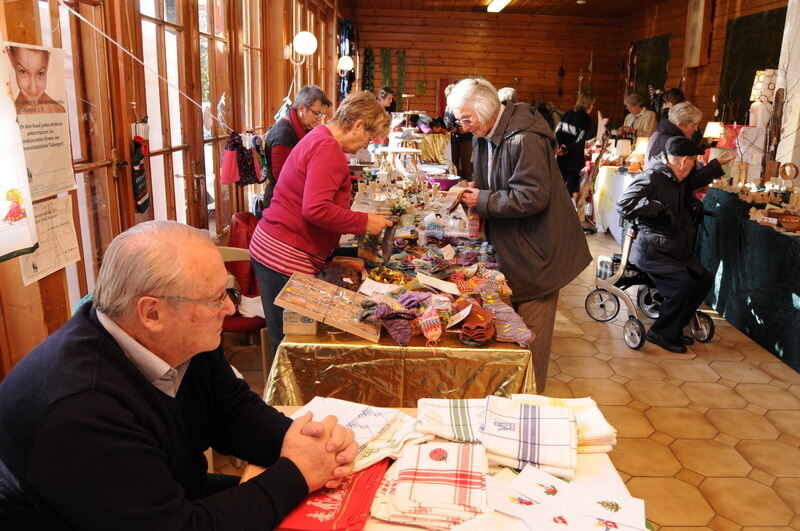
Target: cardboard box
x=298, y=325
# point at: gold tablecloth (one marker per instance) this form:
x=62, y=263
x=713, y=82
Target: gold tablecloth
x=387, y=375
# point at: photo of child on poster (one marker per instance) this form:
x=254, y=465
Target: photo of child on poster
x=35, y=84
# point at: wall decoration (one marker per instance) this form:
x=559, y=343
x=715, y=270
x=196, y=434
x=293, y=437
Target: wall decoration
x=401, y=77
x=698, y=19
x=368, y=77
x=386, y=67
x=647, y=64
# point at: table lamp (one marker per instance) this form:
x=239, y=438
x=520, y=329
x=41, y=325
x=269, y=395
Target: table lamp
x=713, y=131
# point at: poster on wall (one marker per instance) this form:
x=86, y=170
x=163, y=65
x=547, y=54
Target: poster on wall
x=38, y=89
x=17, y=228
x=58, y=243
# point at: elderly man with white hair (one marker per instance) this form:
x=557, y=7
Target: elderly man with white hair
x=105, y=422
x=519, y=193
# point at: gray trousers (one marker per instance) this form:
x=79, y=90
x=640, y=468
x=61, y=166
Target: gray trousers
x=539, y=316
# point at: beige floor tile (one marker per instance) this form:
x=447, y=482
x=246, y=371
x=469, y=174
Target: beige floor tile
x=661, y=438
x=571, y=301
x=710, y=458
x=564, y=377
x=689, y=370
x=742, y=424
x=657, y=393
x=745, y=502
x=729, y=333
x=758, y=410
x=557, y=389
x=573, y=346
x=602, y=391
x=713, y=395
x=789, y=491
x=795, y=390
x=782, y=372
x=567, y=330
x=762, y=477
x=690, y=476
x=773, y=457
x=787, y=421
x=579, y=315
x=639, y=406
x=638, y=369
x=740, y=372
x=617, y=348
x=584, y=367
x=552, y=368
x=627, y=421
x=606, y=357
x=726, y=439
x=698, y=408
x=620, y=379
x=572, y=289
x=716, y=352
x=644, y=457
x=681, y=423
x=719, y=523
x=754, y=352
x=602, y=330
x=671, y=502
x=768, y=396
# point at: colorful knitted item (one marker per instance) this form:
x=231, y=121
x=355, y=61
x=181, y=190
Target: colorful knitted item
x=412, y=299
x=478, y=327
x=396, y=322
x=510, y=326
x=353, y=261
x=434, y=231
x=431, y=324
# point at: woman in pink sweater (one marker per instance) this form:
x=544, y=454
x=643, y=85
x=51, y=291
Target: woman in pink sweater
x=310, y=208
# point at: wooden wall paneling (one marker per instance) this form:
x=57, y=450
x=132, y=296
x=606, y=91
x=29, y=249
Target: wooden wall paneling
x=278, y=69
x=521, y=51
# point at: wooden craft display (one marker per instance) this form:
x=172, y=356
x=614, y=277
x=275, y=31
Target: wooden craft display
x=327, y=303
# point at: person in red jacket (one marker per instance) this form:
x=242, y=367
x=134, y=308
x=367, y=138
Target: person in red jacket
x=310, y=109
x=310, y=207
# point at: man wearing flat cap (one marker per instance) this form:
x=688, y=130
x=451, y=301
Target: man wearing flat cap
x=661, y=202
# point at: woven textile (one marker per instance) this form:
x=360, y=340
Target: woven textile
x=455, y=420
x=396, y=322
x=509, y=325
x=343, y=508
x=517, y=433
x=595, y=434
x=412, y=299
x=434, y=485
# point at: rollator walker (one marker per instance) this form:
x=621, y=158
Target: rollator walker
x=614, y=276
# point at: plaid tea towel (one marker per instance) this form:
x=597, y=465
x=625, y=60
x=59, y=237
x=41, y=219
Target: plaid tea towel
x=458, y=420
x=516, y=434
x=402, y=430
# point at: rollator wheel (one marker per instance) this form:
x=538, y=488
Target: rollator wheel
x=601, y=305
x=633, y=330
x=649, y=300
x=702, y=327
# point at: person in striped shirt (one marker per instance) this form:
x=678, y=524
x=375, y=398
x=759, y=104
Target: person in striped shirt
x=310, y=207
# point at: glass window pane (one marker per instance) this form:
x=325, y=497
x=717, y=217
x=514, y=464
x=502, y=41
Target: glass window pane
x=147, y=7
x=151, y=82
x=180, y=186
x=255, y=21
x=258, y=119
x=95, y=219
x=219, y=17
x=222, y=89
x=171, y=45
x=80, y=112
x=224, y=200
x=202, y=11
x=171, y=11
x=159, y=188
x=44, y=23
x=248, y=96
x=211, y=180
x=205, y=87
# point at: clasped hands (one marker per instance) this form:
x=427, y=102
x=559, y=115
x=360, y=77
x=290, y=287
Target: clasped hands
x=323, y=451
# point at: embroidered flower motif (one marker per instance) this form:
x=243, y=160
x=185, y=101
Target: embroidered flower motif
x=438, y=454
x=550, y=490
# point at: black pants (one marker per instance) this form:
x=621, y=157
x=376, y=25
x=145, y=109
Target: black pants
x=683, y=293
x=462, y=158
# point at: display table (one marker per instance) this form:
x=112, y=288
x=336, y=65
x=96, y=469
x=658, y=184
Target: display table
x=609, y=186
x=757, y=275
x=385, y=374
x=591, y=469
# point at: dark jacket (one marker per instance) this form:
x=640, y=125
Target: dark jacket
x=572, y=132
x=658, y=141
x=662, y=206
x=529, y=217
x=281, y=139
x=88, y=443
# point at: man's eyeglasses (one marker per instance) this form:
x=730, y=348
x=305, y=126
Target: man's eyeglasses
x=215, y=303
x=318, y=114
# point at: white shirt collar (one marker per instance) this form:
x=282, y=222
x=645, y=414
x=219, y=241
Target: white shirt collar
x=157, y=371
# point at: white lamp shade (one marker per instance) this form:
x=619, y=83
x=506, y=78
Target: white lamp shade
x=713, y=130
x=345, y=63
x=641, y=144
x=305, y=43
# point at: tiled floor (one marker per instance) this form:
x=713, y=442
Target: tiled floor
x=710, y=438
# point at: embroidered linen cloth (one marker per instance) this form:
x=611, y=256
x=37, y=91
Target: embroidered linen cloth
x=595, y=434
x=434, y=485
x=343, y=508
x=458, y=420
x=516, y=434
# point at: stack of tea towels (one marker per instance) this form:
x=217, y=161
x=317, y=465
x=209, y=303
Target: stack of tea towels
x=527, y=429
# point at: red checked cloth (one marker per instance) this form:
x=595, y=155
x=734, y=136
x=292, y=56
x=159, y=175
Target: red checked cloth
x=434, y=485
x=345, y=508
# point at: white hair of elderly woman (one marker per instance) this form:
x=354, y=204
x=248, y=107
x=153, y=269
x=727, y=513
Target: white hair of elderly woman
x=478, y=94
x=507, y=94
x=684, y=113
